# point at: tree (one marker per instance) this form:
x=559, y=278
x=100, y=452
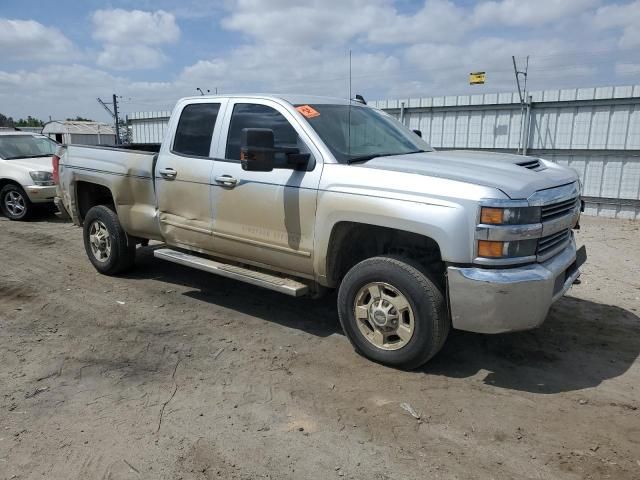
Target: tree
x=6, y=121
x=79, y=119
x=29, y=122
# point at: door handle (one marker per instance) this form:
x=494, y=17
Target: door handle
x=168, y=173
x=227, y=180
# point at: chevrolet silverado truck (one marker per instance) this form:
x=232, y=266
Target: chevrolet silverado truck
x=303, y=194
x=26, y=177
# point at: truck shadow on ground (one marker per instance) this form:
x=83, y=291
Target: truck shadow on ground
x=580, y=345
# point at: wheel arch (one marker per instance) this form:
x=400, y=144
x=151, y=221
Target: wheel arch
x=351, y=242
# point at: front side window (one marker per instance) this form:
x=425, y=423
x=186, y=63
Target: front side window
x=355, y=133
x=195, y=129
x=251, y=115
x=26, y=146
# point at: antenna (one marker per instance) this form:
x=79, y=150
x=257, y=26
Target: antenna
x=522, y=92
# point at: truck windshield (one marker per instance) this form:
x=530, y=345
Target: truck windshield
x=26, y=146
x=361, y=133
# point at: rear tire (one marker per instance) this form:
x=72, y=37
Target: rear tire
x=392, y=312
x=109, y=248
x=15, y=203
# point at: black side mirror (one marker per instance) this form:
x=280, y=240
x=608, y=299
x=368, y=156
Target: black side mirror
x=256, y=149
x=418, y=132
x=257, y=152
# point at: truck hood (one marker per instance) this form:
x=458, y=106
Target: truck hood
x=496, y=170
x=40, y=164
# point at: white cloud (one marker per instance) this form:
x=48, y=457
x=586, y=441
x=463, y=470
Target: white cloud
x=30, y=40
x=532, y=13
x=132, y=38
x=130, y=57
x=625, y=16
x=437, y=20
x=121, y=27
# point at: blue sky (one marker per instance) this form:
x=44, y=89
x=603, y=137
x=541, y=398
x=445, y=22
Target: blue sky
x=57, y=57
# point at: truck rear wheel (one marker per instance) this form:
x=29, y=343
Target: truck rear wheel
x=392, y=312
x=108, y=247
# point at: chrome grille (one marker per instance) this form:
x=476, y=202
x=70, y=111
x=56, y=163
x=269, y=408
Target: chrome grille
x=549, y=245
x=559, y=209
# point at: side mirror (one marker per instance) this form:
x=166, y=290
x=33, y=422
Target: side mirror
x=418, y=132
x=257, y=152
x=256, y=149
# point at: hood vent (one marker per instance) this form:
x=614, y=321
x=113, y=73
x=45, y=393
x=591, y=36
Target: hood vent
x=532, y=165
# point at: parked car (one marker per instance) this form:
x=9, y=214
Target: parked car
x=304, y=194
x=26, y=176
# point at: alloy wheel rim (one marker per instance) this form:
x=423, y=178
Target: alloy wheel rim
x=14, y=203
x=99, y=241
x=384, y=316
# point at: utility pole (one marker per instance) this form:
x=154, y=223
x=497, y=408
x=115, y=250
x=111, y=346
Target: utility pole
x=525, y=105
x=114, y=114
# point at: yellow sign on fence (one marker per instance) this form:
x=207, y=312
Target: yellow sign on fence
x=477, y=78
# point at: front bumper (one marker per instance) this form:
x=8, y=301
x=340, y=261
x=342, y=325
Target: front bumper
x=39, y=194
x=510, y=299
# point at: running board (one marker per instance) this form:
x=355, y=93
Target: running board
x=272, y=282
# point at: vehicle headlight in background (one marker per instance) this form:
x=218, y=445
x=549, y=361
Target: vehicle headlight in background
x=510, y=215
x=42, y=179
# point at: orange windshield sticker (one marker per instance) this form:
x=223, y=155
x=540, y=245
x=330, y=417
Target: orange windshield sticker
x=308, y=111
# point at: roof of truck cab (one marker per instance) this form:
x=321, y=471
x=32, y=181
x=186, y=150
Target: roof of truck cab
x=294, y=99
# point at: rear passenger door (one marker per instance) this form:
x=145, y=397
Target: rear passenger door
x=265, y=218
x=183, y=174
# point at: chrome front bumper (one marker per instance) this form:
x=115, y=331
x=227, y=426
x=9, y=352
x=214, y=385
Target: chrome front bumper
x=510, y=299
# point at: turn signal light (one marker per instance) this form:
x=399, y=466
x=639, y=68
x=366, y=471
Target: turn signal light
x=491, y=216
x=489, y=249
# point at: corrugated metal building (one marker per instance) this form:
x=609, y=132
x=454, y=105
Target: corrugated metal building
x=596, y=131
x=80, y=133
x=148, y=127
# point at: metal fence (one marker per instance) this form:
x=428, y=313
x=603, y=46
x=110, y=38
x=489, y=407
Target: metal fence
x=595, y=131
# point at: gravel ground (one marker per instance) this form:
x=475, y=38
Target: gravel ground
x=170, y=373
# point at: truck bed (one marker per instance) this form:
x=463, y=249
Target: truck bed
x=128, y=174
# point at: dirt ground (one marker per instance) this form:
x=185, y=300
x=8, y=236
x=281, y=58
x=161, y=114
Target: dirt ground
x=170, y=373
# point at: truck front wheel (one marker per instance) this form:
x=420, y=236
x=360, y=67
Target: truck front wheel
x=392, y=312
x=108, y=247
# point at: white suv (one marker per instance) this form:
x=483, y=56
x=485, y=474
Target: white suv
x=26, y=173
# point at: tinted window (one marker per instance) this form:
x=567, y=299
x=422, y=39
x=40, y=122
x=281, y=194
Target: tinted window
x=195, y=129
x=248, y=115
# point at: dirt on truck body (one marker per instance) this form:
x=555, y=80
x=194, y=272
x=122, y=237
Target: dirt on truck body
x=169, y=373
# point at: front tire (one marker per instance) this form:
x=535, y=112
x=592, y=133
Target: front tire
x=109, y=248
x=15, y=203
x=392, y=312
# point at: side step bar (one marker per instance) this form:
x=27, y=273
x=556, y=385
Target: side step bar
x=272, y=282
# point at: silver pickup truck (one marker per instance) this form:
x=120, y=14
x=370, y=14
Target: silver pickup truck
x=304, y=194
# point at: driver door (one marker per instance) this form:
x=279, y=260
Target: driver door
x=265, y=218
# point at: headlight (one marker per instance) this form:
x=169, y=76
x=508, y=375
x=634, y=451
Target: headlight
x=43, y=179
x=517, y=248
x=509, y=216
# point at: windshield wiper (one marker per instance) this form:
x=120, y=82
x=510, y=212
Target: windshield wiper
x=365, y=158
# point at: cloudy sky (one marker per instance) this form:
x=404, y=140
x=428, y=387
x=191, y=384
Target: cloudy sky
x=57, y=57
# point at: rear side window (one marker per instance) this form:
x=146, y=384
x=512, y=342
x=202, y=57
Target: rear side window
x=195, y=129
x=251, y=115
